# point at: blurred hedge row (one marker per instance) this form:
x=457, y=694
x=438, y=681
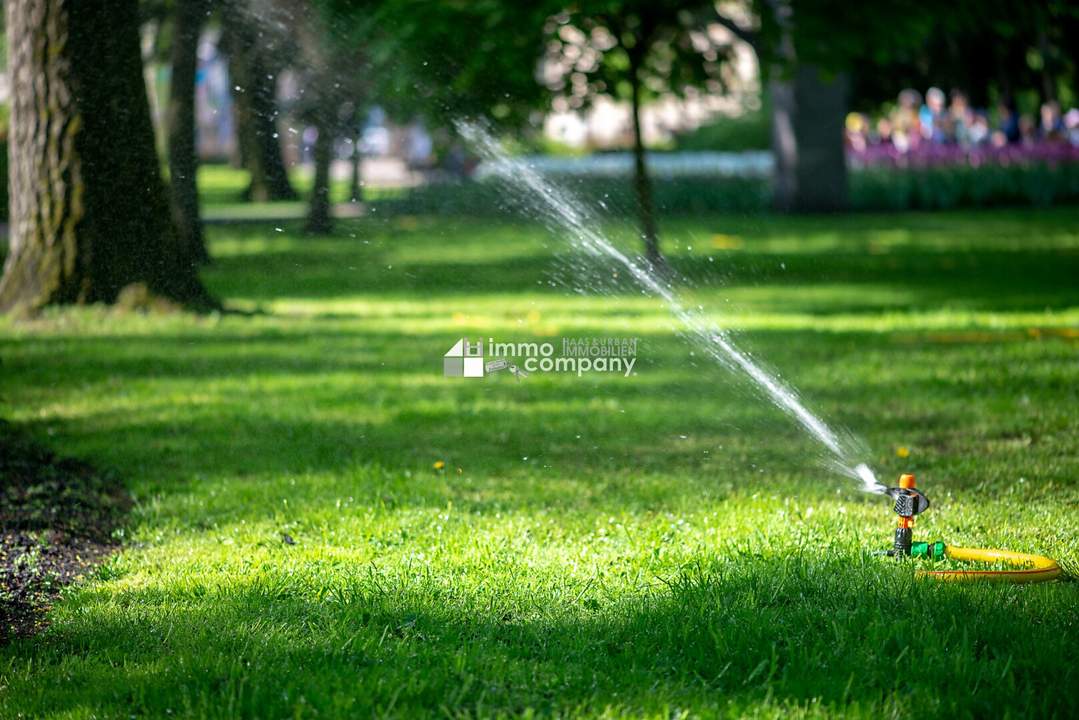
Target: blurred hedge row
x=936, y=188
x=1037, y=185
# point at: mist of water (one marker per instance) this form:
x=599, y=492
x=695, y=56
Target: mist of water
x=571, y=217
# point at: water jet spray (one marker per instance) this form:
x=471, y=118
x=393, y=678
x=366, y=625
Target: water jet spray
x=566, y=213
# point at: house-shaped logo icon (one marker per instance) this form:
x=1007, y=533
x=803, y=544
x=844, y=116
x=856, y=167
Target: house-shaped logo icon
x=464, y=359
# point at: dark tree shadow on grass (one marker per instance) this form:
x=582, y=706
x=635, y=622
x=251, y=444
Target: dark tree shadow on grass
x=733, y=634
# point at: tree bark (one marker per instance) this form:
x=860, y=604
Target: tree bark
x=90, y=214
x=355, y=190
x=642, y=183
x=319, y=221
x=183, y=155
x=784, y=145
x=254, y=81
x=807, y=141
x=822, y=160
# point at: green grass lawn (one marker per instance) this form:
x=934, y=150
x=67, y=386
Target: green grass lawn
x=663, y=545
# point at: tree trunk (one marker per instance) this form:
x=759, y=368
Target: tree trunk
x=254, y=81
x=355, y=192
x=784, y=145
x=822, y=161
x=319, y=221
x=807, y=141
x=183, y=155
x=89, y=211
x=642, y=184
x=1049, y=89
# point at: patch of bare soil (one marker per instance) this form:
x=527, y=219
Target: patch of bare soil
x=58, y=518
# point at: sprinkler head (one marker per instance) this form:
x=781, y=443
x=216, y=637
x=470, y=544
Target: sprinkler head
x=909, y=501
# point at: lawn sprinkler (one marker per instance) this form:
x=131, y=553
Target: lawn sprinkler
x=909, y=501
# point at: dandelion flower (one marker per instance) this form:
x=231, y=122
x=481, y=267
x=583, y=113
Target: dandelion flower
x=721, y=241
x=439, y=464
x=902, y=451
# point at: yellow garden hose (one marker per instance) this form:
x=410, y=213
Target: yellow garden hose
x=1035, y=568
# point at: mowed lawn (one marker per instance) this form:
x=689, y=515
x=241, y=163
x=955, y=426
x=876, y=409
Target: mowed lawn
x=661, y=545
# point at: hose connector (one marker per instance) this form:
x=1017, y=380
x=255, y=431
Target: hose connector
x=932, y=551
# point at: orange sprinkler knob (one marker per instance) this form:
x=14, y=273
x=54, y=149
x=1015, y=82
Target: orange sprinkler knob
x=906, y=481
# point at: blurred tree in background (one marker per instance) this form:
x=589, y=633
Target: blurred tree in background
x=805, y=50
x=634, y=50
x=334, y=84
x=458, y=59
x=989, y=50
x=258, y=42
x=421, y=60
